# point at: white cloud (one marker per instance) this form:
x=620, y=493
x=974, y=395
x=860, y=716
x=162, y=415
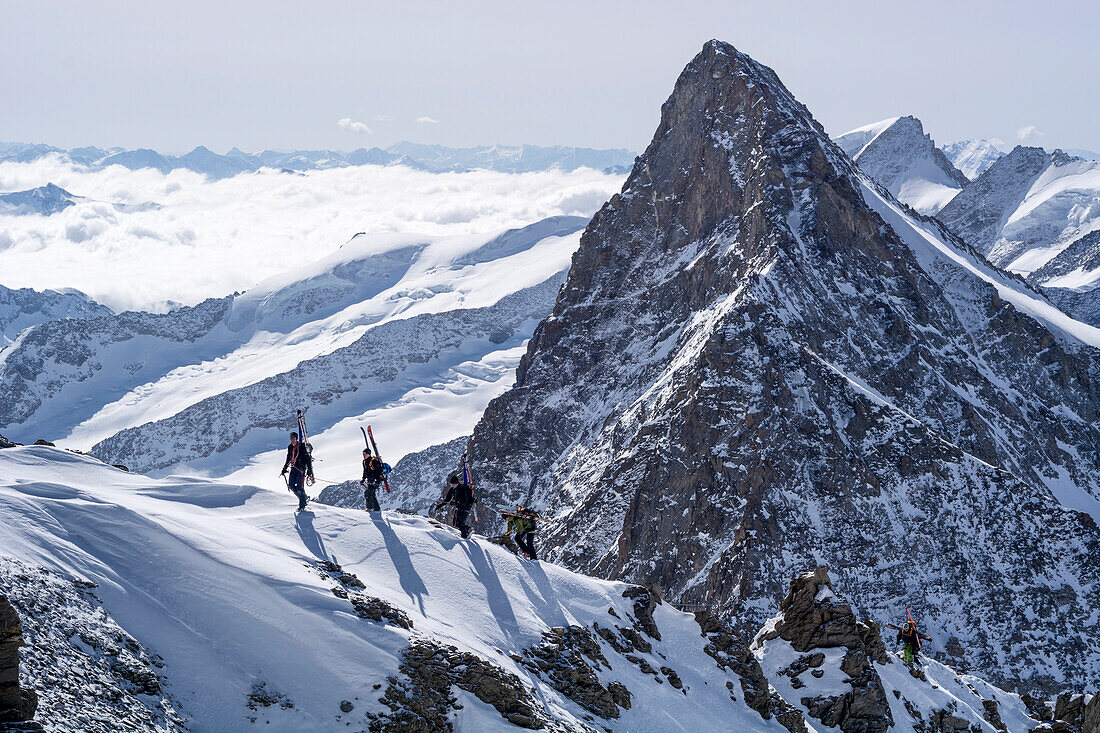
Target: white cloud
x=346, y=123
x=211, y=238
x=1028, y=132
x=383, y=118
x=427, y=120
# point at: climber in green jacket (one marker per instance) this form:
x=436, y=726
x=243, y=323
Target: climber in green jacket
x=522, y=522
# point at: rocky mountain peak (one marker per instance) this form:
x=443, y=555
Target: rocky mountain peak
x=757, y=349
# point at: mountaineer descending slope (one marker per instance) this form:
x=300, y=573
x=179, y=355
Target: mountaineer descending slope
x=300, y=464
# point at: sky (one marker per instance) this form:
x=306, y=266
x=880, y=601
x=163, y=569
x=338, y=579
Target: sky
x=343, y=75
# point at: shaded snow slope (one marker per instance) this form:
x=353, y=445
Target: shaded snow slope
x=228, y=586
x=898, y=155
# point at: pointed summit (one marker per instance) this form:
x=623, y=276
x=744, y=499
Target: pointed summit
x=760, y=361
x=898, y=155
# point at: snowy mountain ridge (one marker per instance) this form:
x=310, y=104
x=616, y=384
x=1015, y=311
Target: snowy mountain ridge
x=974, y=157
x=758, y=348
x=902, y=158
x=424, y=328
x=247, y=613
x=434, y=158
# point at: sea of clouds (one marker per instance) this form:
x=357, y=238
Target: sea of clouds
x=205, y=238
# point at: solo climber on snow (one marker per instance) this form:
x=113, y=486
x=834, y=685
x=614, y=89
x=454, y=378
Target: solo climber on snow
x=300, y=465
x=374, y=473
x=910, y=640
x=461, y=496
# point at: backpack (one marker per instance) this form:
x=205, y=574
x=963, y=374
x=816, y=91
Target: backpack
x=464, y=496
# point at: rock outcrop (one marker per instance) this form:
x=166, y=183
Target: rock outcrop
x=17, y=705
x=757, y=350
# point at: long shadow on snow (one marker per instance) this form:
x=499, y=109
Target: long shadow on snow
x=303, y=522
x=545, y=599
x=484, y=571
x=410, y=580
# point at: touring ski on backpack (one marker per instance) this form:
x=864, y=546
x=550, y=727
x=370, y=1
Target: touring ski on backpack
x=385, y=473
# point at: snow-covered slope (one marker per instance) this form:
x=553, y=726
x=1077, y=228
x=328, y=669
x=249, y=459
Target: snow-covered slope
x=974, y=157
x=1028, y=207
x=761, y=360
x=427, y=326
x=337, y=619
x=899, y=156
x=242, y=600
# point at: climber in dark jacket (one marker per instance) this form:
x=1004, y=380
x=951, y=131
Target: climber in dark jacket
x=300, y=464
x=374, y=473
x=461, y=497
x=910, y=640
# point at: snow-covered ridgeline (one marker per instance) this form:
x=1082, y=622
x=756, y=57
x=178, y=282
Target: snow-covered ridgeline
x=332, y=617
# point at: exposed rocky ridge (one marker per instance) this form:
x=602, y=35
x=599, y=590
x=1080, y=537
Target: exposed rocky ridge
x=59, y=353
x=1083, y=254
x=385, y=354
x=905, y=161
x=24, y=307
x=85, y=671
x=754, y=352
x=839, y=673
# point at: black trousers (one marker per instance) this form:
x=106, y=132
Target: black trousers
x=526, y=542
x=370, y=493
x=462, y=522
x=298, y=486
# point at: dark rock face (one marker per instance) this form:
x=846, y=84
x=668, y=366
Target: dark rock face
x=1090, y=720
x=747, y=361
x=16, y=704
x=421, y=700
x=814, y=618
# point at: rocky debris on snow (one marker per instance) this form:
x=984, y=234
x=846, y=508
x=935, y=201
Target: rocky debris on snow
x=1069, y=713
x=730, y=651
x=420, y=699
x=350, y=588
x=88, y=673
x=569, y=658
x=5, y=443
x=757, y=348
x=262, y=697
x=17, y=705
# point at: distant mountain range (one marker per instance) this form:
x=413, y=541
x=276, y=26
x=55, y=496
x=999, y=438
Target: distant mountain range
x=434, y=158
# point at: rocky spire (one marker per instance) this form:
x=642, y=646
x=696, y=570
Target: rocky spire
x=760, y=361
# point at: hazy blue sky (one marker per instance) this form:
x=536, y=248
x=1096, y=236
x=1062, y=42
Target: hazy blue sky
x=282, y=75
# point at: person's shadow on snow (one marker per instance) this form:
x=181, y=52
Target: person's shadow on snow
x=303, y=522
x=542, y=596
x=484, y=571
x=410, y=580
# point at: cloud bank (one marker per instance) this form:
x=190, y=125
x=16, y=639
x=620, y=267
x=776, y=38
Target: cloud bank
x=209, y=239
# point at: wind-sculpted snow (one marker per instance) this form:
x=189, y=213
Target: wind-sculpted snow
x=222, y=432
x=333, y=619
x=761, y=360
x=898, y=155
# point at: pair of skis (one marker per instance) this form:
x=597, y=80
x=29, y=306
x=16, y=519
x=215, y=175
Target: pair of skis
x=368, y=438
